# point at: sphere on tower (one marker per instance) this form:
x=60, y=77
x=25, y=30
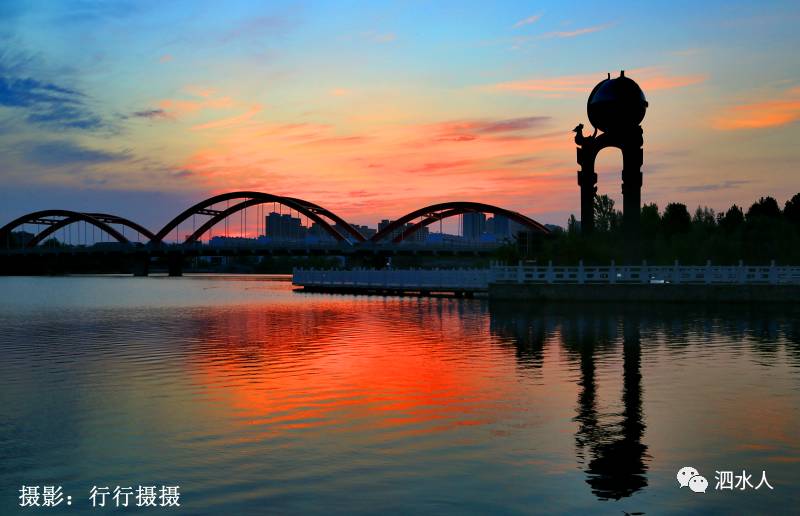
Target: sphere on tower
x=616, y=104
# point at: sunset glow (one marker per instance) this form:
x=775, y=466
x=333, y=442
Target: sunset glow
x=375, y=111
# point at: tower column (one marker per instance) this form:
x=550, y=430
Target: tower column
x=631, y=188
x=587, y=180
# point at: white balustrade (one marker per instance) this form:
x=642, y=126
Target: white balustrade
x=647, y=274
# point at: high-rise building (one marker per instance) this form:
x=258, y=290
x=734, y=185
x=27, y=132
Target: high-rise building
x=500, y=227
x=367, y=231
x=284, y=227
x=473, y=225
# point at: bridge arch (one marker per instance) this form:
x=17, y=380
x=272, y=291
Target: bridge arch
x=249, y=198
x=437, y=212
x=101, y=221
x=102, y=217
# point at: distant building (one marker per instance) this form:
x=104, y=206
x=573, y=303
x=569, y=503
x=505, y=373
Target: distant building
x=444, y=238
x=473, y=225
x=229, y=241
x=367, y=231
x=320, y=233
x=498, y=226
x=284, y=227
x=21, y=238
x=420, y=235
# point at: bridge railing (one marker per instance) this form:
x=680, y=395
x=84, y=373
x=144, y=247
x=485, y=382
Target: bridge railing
x=417, y=279
x=647, y=274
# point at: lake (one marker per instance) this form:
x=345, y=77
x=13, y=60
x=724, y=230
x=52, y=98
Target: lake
x=253, y=398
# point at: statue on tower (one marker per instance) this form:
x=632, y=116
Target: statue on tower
x=615, y=107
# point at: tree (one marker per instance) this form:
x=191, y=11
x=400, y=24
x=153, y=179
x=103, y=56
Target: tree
x=650, y=220
x=52, y=242
x=766, y=207
x=791, y=211
x=732, y=219
x=704, y=218
x=605, y=217
x=676, y=219
x=573, y=226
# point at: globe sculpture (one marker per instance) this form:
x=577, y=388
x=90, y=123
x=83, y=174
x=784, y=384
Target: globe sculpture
x=616, y=107
x=616, y=104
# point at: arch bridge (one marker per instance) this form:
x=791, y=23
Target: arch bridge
x=219, y=208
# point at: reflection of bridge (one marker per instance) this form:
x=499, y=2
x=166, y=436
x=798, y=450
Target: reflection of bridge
x=199, y=221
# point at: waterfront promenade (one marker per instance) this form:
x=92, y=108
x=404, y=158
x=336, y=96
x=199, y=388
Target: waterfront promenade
x=676, y=283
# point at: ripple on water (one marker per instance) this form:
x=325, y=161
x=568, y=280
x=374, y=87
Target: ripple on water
x=254, y=397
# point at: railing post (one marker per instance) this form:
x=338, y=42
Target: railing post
x=580, y=272
x=644, y=277
x=612, y=273
x=773, y=273
x=740, y=273
x=707, y=273
x=549, y=277
x=676, y=273
x=520, y=272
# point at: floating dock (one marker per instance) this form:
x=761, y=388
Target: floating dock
x=423, y=282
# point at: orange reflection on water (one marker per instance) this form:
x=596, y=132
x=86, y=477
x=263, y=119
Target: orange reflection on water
x=402, y=366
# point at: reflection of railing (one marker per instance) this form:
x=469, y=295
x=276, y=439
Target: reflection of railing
x=648, y=274
x=433, y=280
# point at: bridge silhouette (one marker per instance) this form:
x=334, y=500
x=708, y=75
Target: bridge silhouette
x=345, y=238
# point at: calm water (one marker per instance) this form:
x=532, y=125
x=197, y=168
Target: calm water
x=254, y=398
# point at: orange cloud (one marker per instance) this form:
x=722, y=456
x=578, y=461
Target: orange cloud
x=650, y=79
x=166, y=58
x=759, y=115
x=207, y=99
x=396, y=167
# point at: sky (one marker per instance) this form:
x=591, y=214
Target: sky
x=374, y=109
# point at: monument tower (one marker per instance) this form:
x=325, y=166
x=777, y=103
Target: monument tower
x=616, y=107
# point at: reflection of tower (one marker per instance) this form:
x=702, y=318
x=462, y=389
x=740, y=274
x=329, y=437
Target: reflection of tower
x=608, y=445
x=616, y=107
x=617, y=465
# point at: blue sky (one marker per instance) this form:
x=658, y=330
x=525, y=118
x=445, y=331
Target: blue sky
x=374, y=109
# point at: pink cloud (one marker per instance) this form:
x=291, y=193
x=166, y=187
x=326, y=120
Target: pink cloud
x=576, y=32
x=230, y=121
x=527, y=21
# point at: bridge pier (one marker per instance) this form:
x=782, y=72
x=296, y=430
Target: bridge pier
x=175, y=265
x=141, y=266
x=369, y=261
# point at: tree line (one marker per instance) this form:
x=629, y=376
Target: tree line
x=761, y=233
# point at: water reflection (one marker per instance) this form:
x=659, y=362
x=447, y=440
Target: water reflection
x=255, y=398
x=610, y=446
